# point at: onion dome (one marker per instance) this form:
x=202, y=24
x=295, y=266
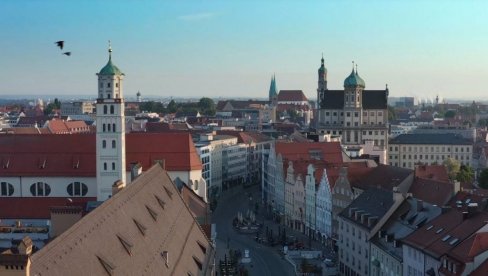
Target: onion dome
x=110, y=68
x=354, y=80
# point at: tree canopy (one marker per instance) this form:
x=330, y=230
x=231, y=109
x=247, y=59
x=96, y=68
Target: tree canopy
x=453, y=167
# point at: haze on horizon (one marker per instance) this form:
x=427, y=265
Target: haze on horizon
x=232, y=48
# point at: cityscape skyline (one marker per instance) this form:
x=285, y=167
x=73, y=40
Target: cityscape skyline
x=196, y=49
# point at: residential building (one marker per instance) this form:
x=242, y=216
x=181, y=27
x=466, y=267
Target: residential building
x=359, y=222
x=408, y=150
x=355, y=114
x=77, y=108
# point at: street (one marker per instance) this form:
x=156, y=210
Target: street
x=265, y=260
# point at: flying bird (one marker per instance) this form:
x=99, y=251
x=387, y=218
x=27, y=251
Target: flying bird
x=60, y=44
x=67, y=53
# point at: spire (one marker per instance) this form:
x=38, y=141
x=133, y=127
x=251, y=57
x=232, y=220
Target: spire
x=356, y=68
x=322, y=59
x=109, y=50
x=352, y=67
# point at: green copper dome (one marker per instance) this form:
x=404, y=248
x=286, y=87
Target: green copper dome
x=354, y=80
x=322, y=66
x=110, y=69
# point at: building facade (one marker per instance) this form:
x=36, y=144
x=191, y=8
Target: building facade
x=355, y=114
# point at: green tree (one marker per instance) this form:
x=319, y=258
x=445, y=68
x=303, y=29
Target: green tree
x=52, y=106
x=483, y=179
x=172, y=107
x=450, y=114
x=207, y=106
x=465, y=174
x=453, y=167
x=292, y=113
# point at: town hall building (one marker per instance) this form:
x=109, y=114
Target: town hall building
x=358, y=116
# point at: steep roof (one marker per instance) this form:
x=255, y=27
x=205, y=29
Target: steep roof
x=435, y=172
x=291, y=96
x=74, y=155
x=145, y=228
x=383, y=177
x=430, y=138
x=432, y=191
x=330, y=152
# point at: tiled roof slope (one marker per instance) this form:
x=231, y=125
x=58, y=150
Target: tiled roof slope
x=36, y=207
x=291, y=96
x=130, y=234
x=435, y=172
x=383, y=177
x=74, y=155
x=432, y=191
x=430, y=139
x=330, y=152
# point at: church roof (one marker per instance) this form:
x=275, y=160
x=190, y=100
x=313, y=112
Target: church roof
x=74, y=154
x=292, y=95
x=146, y=228
x=354, y=80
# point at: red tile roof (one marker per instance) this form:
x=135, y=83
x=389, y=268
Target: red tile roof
x=432, y=191
x=481, y=270
x=291, y=96
x=330, y=152
x=436, y=172
x=36, y=207
x=74, y=155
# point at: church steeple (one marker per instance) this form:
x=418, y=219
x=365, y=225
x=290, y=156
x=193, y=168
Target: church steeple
x=110, y=123
x=273, y=94
x=322, y=82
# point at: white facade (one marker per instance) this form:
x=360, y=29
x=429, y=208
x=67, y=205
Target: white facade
x=35, y=186
x=324, y=208
x=110, y=130
x=407, y=155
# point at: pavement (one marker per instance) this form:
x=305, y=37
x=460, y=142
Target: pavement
x=265, y=260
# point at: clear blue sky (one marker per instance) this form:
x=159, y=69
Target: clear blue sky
x=231, y=48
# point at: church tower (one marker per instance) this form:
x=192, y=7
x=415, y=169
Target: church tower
x=273, y=94
x=110, y=135
x=322, y=83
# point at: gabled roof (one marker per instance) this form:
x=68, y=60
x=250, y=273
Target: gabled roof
x=291, y=96
x=383, y=177
x=245, y=137
x=432, y=191
x=434, y=172
x=131, y=233
x=74, y=155
x=330, y=152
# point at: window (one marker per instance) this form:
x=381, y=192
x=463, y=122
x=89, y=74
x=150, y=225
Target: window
x=40, y=189
x=104, y=144
x=113, y=144
x=113, y=127
x=112, y=109
x=108, y=84
x=117, y=84
x=348, y=114
x=77, y=189
x=105, y=166
x=103, y=127
x=113, y=166
x=6, y=189
x=109, y=127
x=356, y=114
x=104, y=109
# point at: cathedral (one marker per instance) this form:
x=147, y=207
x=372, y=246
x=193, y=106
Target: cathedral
x=358, y=116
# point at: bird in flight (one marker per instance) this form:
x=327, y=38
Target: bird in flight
x=60, y=44
x=67, y=53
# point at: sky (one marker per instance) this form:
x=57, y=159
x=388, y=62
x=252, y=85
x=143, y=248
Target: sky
x=232, y=48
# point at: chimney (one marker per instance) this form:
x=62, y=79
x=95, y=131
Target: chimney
x=25, y=246
x=135, y=170
x=420, y=205
x=117, y=187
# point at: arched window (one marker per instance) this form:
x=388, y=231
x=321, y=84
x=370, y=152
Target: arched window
x=6, y=189
x=112, y=110
x=113, y=127
x=113, y=144
x=104, y=109
x=104, y=144
x=77, y=189
x=108, y=126
x=40, y=189
x=103, y=127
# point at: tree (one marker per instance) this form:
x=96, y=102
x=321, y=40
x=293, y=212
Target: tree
x=453, y=167
x=483, y=179
x=52, y=106
x=465, y=174
x=172, y=107
x=450, y=114
x=207, y=106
